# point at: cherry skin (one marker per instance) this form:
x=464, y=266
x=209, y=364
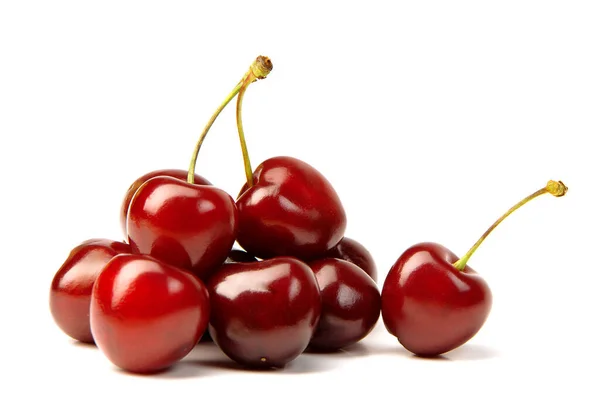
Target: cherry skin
x=182, y=224
x=263, y=314
x=291, y=210
x=352, y=251
x=431, y=306
x=350, y=304
x=146, y=315
x=177, y=173
x=235, y=256
x=71, y=288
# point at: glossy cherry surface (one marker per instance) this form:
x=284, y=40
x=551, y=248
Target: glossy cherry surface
x=146, y=315
x=235, y=256
x=291, y=210
x=176, y=173
x=352, y=251
x=71, y=287
x=431, y=306
x=350, y=304
x=185, y=225
x=263, y=314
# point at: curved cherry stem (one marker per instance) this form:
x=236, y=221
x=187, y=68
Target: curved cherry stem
x=556, y=188
x=261, y=72
x=259, y=69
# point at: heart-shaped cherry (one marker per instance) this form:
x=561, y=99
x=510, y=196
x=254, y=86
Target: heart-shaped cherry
x=185, y=225
x=290, y=210
x=177, y=173
x=71, y=288
x=354, y=252
x=263, y=314
x=432, y=301
x=350, y=304
x=286, y=207
x=146, y=315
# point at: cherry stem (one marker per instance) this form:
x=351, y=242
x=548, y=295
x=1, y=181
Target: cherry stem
x=259, y=69
x=556, y=188
x=263, y=67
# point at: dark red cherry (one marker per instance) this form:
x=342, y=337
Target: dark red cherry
x=354, y=252
x=350, y=304
x=291, y=210
x=146, y=315
x=185, y=225
x=263, y=314
x=431, y=306
x=71, y=288
x=176, y=173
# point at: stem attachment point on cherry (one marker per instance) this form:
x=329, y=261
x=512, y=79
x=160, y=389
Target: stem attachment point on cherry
x=556, y=188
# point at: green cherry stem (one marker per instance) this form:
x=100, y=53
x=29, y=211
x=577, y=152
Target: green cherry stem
x=263, y=67
x=556, y=188
x=258, y=70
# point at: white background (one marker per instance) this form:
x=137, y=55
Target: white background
x=430, y=118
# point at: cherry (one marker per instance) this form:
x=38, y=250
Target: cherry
x=286, y=207
x=185, y=225
x=182, y=223
x=263, y=314
x=432, y=301
x=350, y=304
x=146, y=315
x=177, y=173
x=354, y=252
x=71, y=288
x=291, y=210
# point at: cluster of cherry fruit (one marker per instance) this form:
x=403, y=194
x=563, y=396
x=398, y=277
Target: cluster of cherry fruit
x=298, y=284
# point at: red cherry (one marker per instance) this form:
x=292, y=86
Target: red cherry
x=286, y=207
x=291, y=210
x=184, y=225
x=432, y=301
x=350, y=304
x=146, y=315
x=177, y=173
x=71, y=288
x=431, y=306
x=354, y=252
x=263, y=314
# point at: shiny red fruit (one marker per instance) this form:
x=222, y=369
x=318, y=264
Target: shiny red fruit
x=354, y=252
x=147, y=315
x=235, y=256
x=185, y=225
x=177, y=173
x=291, y=210
x=71, y=288
x=263, y=314
x=431, y=306
x=350, y=304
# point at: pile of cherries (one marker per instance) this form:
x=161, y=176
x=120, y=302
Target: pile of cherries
x=297, y=284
